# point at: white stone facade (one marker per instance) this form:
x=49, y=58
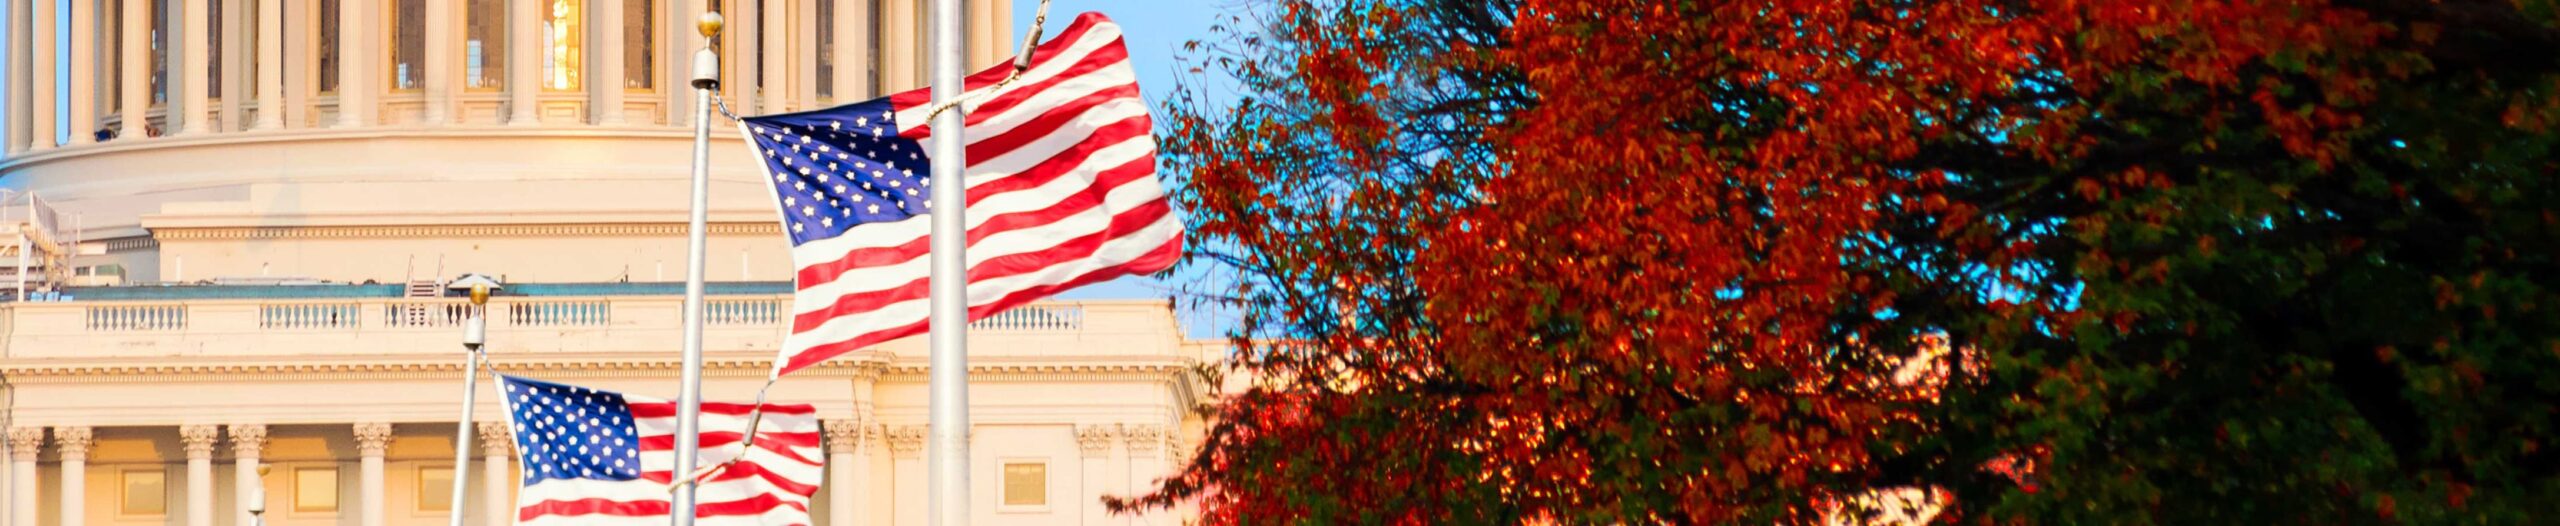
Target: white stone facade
x=154, y=395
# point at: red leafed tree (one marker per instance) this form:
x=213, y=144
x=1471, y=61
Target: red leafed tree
x=1595, y=261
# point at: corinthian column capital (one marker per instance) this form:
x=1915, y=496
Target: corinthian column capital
x=373, y=438
x=1096, y=440
x=248, y=439
x=74, y=441
x=844, y=434
x=495, y=441
x=25, y=442
x=199, y=439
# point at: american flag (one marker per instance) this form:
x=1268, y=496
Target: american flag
x=597, y=457
x=1061, y=192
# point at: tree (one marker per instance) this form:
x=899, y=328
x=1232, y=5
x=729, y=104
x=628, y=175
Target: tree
x=1620, y=261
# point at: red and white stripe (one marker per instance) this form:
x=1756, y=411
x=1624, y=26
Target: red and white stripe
x=1061, y=193
x=771, y=485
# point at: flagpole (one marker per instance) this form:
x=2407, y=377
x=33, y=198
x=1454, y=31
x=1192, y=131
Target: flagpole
x=474, y=335
x=706, y=79
x=948, y=455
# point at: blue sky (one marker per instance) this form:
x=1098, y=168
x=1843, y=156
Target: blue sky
x=1154, y=30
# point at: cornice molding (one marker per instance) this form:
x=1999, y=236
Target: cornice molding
x=130, y=244
x=457, y=231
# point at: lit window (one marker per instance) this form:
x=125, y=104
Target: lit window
x=484, y=49
x=1026, y=484
x=639, y=45
x=435, y=488
x=145, y=493
x=563, y=37
x=408, y=44
x=315, y=489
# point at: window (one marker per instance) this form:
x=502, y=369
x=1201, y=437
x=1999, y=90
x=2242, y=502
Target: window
x=315, y=489
x=160, y=51
x=639, y=45
x=328, y=71
x=213, y=62
x=143, y=493
x=435, y=488
x=827, y=49
x=408, y=44
x=1026, y=484
x=484, y=48
x=563, y=44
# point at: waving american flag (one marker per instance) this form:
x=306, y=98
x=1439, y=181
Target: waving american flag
x=1061, y=192
x=597, y=457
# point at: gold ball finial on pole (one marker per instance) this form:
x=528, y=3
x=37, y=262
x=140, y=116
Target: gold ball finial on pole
x=709, y=24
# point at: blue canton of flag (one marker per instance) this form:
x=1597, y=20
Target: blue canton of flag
x=842, y=166
x=567, y=432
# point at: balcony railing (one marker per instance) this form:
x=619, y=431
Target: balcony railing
x=627, y=324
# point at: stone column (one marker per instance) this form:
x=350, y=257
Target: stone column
x=980, y=26
x=21, y=78
x=136, y=48
x=676, y=80
x=1096, y=442
x=804, y=62
x=739, y=85
x=899, y=47
x=852, y=50
x=604, y=55
x=199, y=440
x=270, y=65
x=1144, y=464
x=24, y=443
x=247, y=440
x=355, y=64
x=524, y=72
x=84, y=72
x=495, y=443
x=1004, y=45
x=198, y=37
x=236, y=87
x=372, y=439
x=845, y=472
x=907, y=476
x=40, y=118
x=775, y=85
x=439, y=66
x=74, y=443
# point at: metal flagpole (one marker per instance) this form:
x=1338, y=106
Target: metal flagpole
x=948, y=454
x=706, y=79
x=474, y=335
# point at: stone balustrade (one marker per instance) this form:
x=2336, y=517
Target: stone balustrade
x=391, y=327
